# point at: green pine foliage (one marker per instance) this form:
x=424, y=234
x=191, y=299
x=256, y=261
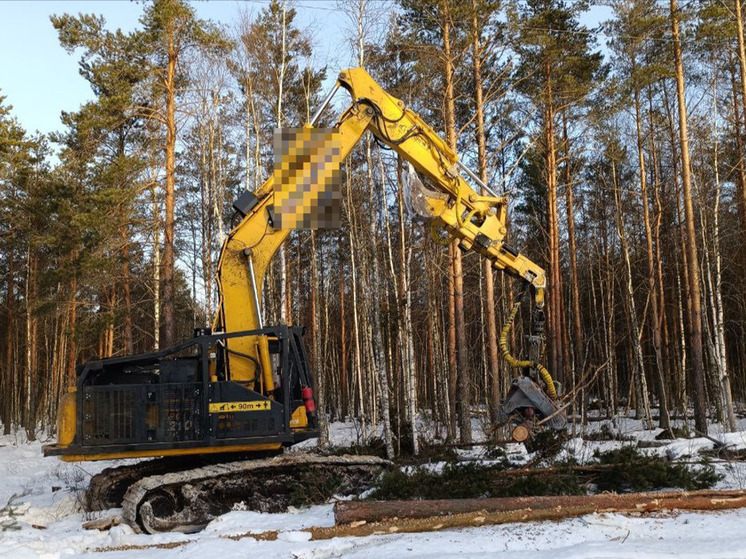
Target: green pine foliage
x=622, y=470
x=631, y=470
x=468, y=481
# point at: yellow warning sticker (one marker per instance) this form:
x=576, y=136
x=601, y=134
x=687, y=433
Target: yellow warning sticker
x=230, y=407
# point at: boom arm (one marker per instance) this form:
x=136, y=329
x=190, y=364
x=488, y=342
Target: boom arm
x=477, y=222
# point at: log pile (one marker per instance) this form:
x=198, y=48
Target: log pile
x=368, y=518
x=364, y=518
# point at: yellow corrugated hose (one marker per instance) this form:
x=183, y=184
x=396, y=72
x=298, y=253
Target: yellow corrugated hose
x=517, y=363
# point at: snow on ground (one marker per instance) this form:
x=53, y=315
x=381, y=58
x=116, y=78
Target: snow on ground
x=40, y=517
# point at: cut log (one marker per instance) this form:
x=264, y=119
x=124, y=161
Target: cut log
x=521, y=432
x=440, y=515
x=513, y=509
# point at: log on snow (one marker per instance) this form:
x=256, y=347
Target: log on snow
x=517, y=509
x=504, y=511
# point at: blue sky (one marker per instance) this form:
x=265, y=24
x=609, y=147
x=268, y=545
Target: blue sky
x=40, y=79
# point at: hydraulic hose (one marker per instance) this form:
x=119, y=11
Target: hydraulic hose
x=517, y=363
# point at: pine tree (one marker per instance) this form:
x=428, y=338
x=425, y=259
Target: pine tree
x=694, y=291
x=170, y=30
x=556, y=71
x=637, y=24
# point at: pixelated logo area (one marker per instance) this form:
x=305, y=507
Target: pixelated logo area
x=307, y=186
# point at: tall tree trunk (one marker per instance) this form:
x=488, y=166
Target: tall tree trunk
x=577, y=330
x=738, y=133
x=58, y=361
x=695, y=330
x=464, y=382
x=111, y=294
x=716, y=285
x=156, y=268
x=320, y=371
x=30, y=369
x=6, y=406
x=452, y=363
x=249, y=117
x=742, y=66
x=286, y=308
x=554, y=286
x=608, y=308
x=493, y=362
x=72, y=347
x=212, y=216
x=206, y=222
x=405, y=319
x=169, y=255
x=356, y=334
x=642, y=398
x=662, y=315
x=129, y=345
x=661, y=373
x=343, y=350
x=684, y=302
x=377, y=354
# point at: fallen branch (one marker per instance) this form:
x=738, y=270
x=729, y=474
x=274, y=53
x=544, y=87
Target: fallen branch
x=718, y=444
x=576, y=469
x=652, y=444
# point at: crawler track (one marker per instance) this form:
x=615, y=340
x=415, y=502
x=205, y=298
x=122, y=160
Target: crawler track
x=187, y=500
x=107, y=488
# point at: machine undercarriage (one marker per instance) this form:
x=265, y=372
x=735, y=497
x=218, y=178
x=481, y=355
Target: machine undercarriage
x=163, y=496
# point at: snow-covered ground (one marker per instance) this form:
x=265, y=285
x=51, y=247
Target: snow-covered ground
x=41, y=518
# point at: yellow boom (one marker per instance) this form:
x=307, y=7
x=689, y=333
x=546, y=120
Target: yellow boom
x=477, y=222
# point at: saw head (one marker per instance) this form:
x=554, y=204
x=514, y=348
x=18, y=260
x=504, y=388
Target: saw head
x=526, y=405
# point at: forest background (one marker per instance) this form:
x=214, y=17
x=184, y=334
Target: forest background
x=620, y=146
